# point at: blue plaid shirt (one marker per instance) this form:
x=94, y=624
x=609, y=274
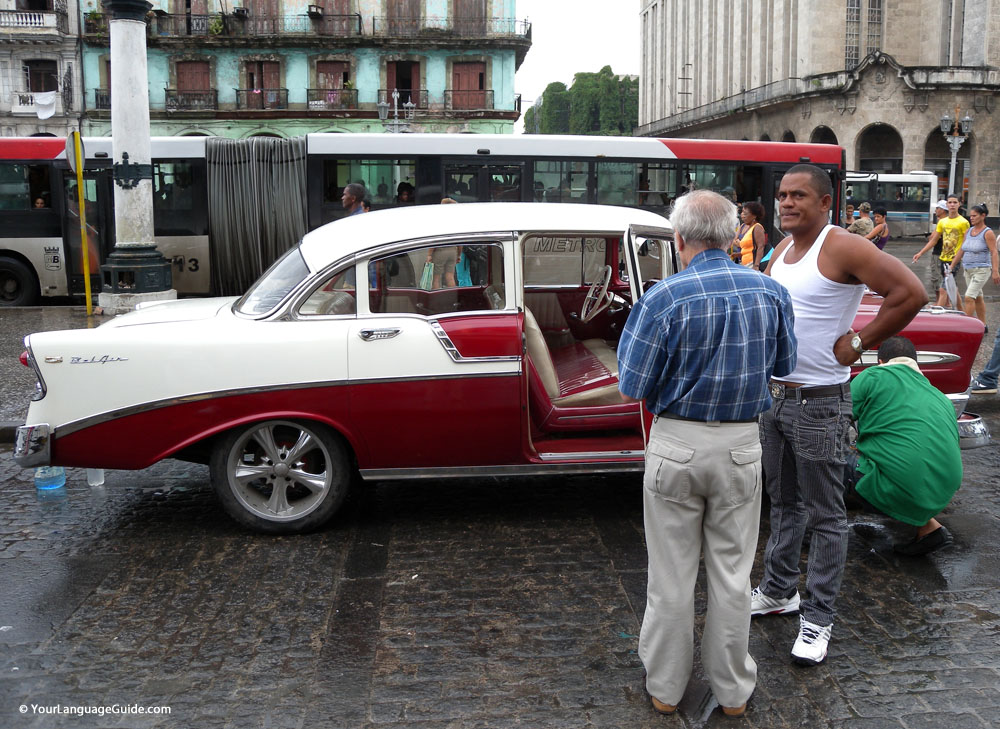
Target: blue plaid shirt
x=703, y=343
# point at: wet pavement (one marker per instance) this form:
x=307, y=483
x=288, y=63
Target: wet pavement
x=493, y=603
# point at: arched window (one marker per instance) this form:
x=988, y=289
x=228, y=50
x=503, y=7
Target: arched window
x=823, y=135
x=788, y=136
x=880, y=149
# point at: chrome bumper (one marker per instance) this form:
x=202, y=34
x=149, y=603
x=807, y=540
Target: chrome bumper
x=972, y=431
x=32, y=446
x=960, y=400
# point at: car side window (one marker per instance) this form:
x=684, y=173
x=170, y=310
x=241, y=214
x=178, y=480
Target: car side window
x=337, y=296
x=434, y=280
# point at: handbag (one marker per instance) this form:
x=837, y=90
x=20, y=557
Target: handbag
x=427, y=277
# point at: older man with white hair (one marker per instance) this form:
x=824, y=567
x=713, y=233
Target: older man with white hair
x=699, y=349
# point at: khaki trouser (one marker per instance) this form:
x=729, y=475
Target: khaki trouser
x=702, y=490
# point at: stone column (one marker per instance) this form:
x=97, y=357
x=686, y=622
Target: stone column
x=135, y=270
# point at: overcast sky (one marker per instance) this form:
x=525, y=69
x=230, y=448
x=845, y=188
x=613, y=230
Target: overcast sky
x=570, y=36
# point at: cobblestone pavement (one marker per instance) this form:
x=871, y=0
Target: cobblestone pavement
x=494, y=603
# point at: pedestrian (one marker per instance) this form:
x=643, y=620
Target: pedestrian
x=899, y=413
x=848, y=214
x=951, y=230
x=366, y=205
x=352, y=197
x=879, y=234
x=750, y=239
x=863, y=225
x=682, y=343
x=825, y=270
x=978, y=255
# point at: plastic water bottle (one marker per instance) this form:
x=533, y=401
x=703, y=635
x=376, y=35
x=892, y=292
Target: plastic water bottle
x=49, y=477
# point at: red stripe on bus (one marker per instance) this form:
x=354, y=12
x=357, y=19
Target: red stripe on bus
x=733, y=150
x=32, y=148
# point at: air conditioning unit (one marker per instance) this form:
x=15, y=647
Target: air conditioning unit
x=241, y=12
x=316, y=11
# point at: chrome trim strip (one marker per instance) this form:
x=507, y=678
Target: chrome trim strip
x=606, y=455
x=107, y=416
x=543, y=469
x=594, y=417
x=869, y=358
x=445, y=341
x=32, y=445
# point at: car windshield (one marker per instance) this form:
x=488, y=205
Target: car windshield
x=271, y=288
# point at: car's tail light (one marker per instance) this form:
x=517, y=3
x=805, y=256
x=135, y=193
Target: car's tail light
x=28, y=360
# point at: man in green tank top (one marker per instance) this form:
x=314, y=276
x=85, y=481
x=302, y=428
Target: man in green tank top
x=909, y=462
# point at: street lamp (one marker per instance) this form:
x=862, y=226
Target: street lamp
x=396, y=125
x=951, y=126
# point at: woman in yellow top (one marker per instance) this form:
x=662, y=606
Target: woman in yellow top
x=748, y=245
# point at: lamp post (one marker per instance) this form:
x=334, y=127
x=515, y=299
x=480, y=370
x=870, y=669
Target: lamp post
x=135, y=271
x=950, y=126
x=396, y=125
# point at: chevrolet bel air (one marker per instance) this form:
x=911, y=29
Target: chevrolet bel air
x=344, y=359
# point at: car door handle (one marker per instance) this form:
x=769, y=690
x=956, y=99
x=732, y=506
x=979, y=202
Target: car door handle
x=370, y=335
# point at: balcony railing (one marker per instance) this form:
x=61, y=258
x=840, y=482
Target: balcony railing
x=261, y=98
x=23, y=102
x=468, y=100
x=249, y=25
x=34, y=21
x=407, y=27
x=332, y=99
x=417, y=96
x=102, y=98
x=177, y=100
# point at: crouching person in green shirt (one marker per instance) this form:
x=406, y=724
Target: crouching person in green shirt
x=909, y=463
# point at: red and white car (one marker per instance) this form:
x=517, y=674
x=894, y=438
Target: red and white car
x=339, y=362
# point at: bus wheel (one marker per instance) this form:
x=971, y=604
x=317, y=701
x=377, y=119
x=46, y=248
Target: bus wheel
x=18, y=285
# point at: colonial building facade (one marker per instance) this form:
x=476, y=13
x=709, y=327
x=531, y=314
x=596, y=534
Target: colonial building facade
x=40, y=90
x=874, y=76
x=289, y=67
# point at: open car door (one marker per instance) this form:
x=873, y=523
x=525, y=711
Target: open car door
x=649, y=255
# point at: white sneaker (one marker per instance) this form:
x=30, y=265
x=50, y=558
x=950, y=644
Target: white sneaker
x=761, y=604
x=810, y=647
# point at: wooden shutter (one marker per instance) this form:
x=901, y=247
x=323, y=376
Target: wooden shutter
x=470, y=17
x=467, y=85
x=330, y=74
x=193, y=76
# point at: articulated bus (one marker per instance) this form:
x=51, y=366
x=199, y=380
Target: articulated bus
x=225, y=209
x=907, y=198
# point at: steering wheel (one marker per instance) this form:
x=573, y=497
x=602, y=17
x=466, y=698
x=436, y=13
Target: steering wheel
x=597, y=299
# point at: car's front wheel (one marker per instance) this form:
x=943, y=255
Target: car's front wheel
x=280, y=476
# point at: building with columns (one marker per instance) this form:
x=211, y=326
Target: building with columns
x=289, y=67
x=40, y=92
x=874, y=76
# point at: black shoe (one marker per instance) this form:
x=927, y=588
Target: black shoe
x=938, y=538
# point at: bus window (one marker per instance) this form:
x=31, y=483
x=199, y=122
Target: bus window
x=617, y=183
x=461, y=182
x=561, y=181
x=24, y=187
x=657, y=184
x=505, y=183
x=174, y=199
x=720, y=178
x=385, y=179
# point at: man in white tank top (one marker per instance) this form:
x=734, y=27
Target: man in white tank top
x=825, y=269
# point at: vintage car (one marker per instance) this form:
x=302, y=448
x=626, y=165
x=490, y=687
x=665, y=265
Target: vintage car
x=344, y=359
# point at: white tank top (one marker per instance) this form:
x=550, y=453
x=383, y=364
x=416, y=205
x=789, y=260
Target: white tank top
x=824, y=310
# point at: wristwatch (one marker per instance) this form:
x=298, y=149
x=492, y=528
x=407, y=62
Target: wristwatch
x=856, y=344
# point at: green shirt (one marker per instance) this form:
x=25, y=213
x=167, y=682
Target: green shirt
x=907, y=443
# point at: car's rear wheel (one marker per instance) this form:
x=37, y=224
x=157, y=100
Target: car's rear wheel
x=280, y=476
x=18, y=285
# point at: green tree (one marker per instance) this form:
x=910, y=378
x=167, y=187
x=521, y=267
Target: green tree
x=529, y=120
x=555, y=109
x=596, y=103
